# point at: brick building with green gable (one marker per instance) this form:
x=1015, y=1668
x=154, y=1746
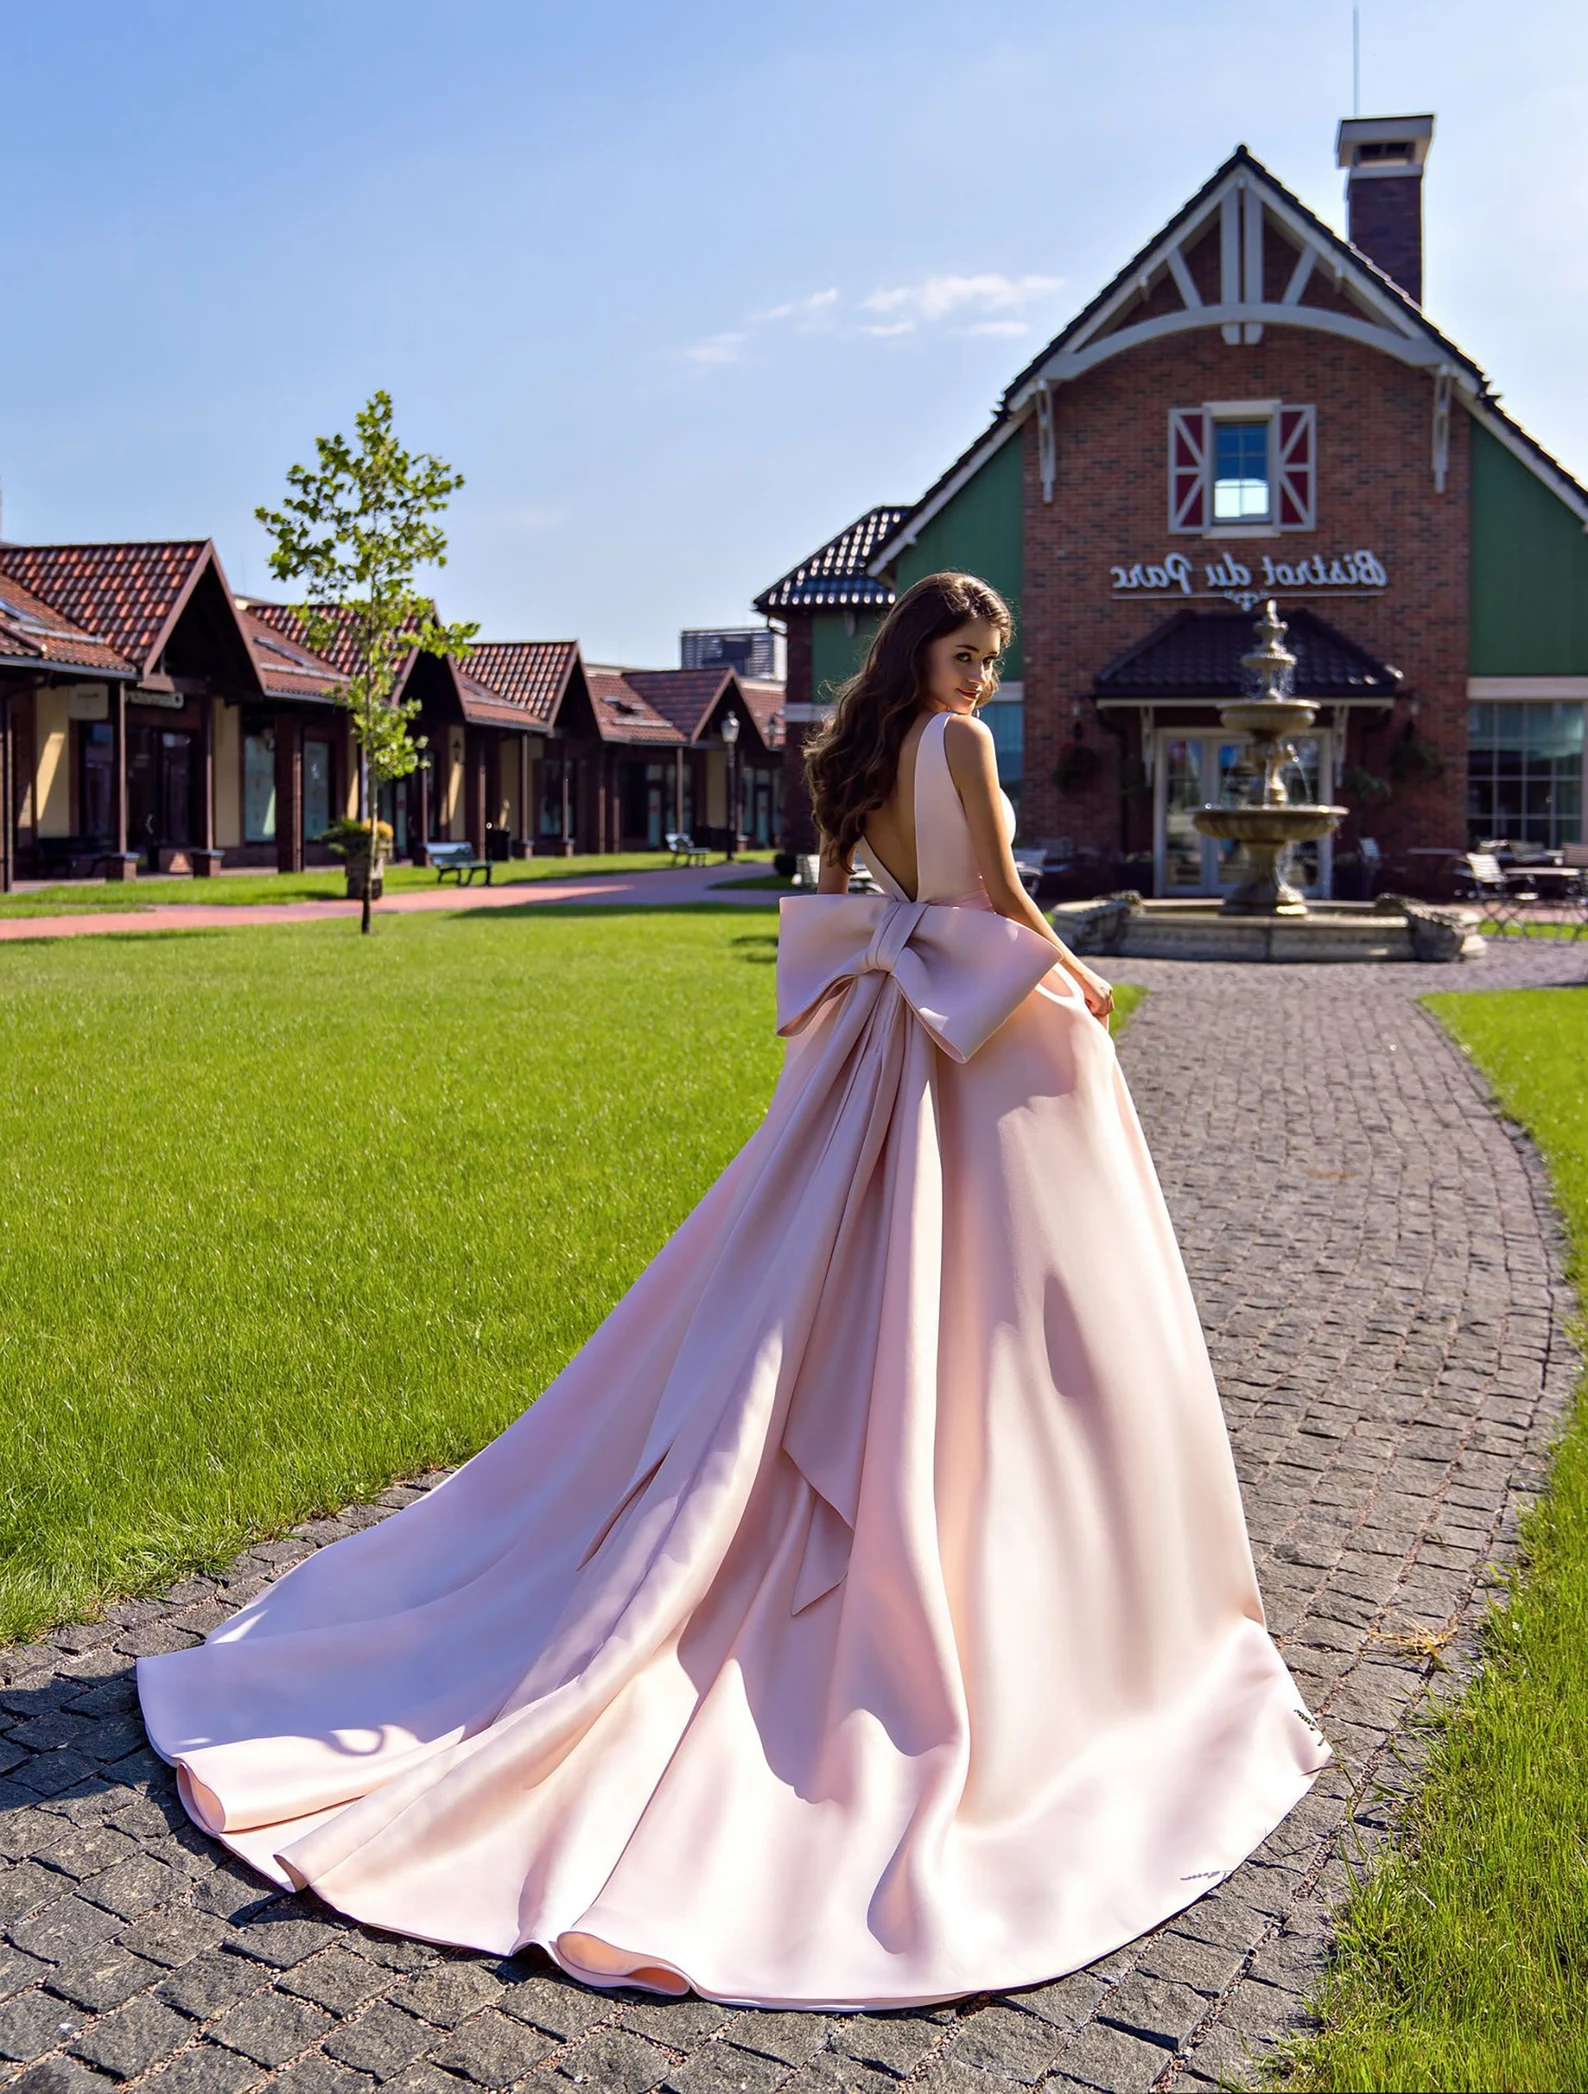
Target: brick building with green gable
x=1253, y=407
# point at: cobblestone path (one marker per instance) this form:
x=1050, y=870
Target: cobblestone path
x=1378, y=1269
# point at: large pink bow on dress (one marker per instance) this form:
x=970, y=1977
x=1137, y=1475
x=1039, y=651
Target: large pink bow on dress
x=962, y=971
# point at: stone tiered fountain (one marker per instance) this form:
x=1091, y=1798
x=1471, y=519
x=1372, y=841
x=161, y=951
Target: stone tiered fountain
x=1266, y=918
x=1269, y=821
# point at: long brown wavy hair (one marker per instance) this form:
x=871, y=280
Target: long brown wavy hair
x=852, y=759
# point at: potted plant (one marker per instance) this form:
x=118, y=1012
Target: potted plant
x=357, y=844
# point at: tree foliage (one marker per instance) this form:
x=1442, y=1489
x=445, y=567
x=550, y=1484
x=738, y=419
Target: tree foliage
x=354, y=530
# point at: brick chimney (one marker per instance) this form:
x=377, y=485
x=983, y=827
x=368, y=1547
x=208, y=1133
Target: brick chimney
x=1384, y=156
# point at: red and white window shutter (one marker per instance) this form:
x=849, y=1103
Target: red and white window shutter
x=1190, y=505
x=1295, y=457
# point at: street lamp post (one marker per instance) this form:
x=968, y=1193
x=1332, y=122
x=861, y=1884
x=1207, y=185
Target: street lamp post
x=730, y=735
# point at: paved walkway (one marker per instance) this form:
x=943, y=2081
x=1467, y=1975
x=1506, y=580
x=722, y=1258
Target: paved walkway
x=664, y=888
x=1379, y=1270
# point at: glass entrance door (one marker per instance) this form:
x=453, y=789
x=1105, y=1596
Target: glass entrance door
x=1200, y=770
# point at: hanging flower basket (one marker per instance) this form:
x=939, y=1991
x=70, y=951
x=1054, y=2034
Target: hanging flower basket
x=1414, y=761
x=1077, y=767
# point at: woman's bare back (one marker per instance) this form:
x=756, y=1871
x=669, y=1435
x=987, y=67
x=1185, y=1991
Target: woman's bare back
x=890, y=829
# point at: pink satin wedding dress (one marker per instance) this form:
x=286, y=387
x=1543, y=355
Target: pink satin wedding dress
x=865, y=1616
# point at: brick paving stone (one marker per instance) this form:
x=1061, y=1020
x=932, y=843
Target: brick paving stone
x=105, y=1979
x=1001, y=2039
x=612, y=2059
x=57, y=2075
x=205, y=2069
x=209, y=1983
x=270, y=2028
x=716, y=2068
x=450, y=1991
x=491, y=2050
x=67, y=1928
x=34, y=2023
x=133, y=2038
x=175, y=1936
x=382, y=2041
x=1379, y=1271
x=336, y=1978
x=891, y=2043
x=788, y=2037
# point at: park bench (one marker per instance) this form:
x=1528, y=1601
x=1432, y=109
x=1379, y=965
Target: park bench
x=463, y=860
x=683, y=846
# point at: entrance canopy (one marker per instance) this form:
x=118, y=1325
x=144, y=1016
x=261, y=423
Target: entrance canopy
x=1194, y=658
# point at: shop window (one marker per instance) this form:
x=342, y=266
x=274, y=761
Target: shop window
x=316, y=788
x=1007, y=721
x=98, y=777
x=1525, y=773
x=259, y=786
x=1234, y=464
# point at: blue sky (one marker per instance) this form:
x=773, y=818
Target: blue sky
x=681, y=287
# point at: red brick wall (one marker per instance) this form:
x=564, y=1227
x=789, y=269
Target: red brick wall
x=1374, y=490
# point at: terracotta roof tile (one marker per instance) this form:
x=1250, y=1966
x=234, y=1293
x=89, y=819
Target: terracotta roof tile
x=622, y=713
x=683, y=696
x=765, y=701
x=835, y=577
x=287, y=668
x=531, y=674
x=31, y=631
x=123, y=593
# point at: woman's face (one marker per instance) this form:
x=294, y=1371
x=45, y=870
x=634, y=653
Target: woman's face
x=959, y=666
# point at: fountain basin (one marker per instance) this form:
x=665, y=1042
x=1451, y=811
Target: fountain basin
x=1392, y=928
x=1274, y=826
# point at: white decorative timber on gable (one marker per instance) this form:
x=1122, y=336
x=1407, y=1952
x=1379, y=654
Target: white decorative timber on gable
x=1239, y=205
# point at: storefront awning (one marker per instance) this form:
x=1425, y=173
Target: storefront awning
x=1194, y=658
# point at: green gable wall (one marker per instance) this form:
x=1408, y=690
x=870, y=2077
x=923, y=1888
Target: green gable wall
x=1529, y=578
x=981, y=531
x=836, y=653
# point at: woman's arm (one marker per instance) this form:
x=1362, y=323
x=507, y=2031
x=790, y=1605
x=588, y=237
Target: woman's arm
x=973, y=766
x=832, y=875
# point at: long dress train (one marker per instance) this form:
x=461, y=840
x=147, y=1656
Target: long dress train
x=865, y=1615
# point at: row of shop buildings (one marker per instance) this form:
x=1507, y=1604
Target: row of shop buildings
x=1252, y=408
x=151, y=719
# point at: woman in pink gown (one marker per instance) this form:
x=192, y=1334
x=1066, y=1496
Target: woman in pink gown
x=865, y=1616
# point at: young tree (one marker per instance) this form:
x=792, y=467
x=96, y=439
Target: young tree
x=353, y=531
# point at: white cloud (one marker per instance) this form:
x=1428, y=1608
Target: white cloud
x=936, y=297
x=888, y=327
x=998, y=327
x=816, y=307
x=718, y=349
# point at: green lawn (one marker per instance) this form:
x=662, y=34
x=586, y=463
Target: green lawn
x=326, y=884
x=1464, y=1958
x=285, y=1213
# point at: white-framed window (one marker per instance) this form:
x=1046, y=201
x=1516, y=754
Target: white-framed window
x=1525, y=772
x=1243, y=464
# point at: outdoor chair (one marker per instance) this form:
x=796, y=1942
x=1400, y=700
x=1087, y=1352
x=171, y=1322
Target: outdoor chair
x=684, y=847
x=1500, y=901
x=460, y=859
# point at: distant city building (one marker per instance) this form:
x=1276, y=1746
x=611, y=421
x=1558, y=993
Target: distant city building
x=749, y=650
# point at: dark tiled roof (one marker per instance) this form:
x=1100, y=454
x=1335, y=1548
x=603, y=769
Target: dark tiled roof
x=683, y=696
x=125, y=594
x=1197, y=654
x=622, y=715
x=485, y=707
x=835, y=577
x=31, y=631
x=287, y=668
x=530, y=674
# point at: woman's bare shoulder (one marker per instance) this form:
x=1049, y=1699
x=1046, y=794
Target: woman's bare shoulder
x=967, y=746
